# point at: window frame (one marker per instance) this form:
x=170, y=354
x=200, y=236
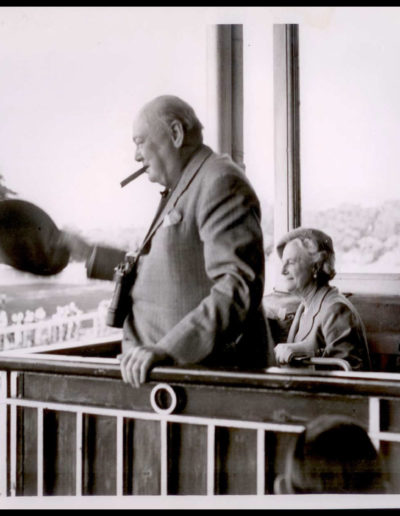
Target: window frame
x=287, y=113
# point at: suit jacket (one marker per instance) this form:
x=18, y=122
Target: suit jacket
x=200, y=272
x=334, y=326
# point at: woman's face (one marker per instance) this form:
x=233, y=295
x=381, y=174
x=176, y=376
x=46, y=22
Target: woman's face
x=297, y=268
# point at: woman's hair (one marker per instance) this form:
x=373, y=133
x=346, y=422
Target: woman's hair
x=322, y=259
x=319, y=247
x=334, y=454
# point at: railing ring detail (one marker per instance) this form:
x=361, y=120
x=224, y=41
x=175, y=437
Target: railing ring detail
x=161, y=392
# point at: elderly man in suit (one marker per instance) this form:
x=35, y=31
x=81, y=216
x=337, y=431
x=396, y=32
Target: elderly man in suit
x=196, y=291
x=196, y=297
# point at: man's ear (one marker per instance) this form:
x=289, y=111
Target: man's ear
x=178, y=133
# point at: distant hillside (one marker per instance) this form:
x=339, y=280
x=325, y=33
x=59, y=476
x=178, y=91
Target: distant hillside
x=365, y=239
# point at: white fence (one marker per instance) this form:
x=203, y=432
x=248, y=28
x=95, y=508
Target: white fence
x=67, y=324
x=164, y=417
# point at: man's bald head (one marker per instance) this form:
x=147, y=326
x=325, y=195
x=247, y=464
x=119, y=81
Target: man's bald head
x=165, y=109
x=167, y=133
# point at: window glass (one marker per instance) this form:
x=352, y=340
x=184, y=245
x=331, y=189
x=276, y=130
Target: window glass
x=258, y=124
x=72, y=81
x=350, y=126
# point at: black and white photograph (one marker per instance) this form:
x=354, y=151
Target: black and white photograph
x=199, y=257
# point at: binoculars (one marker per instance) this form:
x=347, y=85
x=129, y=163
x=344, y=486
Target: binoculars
x=124, y=277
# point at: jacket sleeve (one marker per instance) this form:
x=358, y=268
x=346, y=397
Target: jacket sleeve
x=102, y=262
x=344, y=338
x=228, y=224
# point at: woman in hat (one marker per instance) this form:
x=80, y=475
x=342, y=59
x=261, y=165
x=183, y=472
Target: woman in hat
x=326, y=324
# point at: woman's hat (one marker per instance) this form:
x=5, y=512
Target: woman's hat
x=323, y=241
x=29, y=239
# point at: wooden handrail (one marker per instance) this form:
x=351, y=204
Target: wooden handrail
x=290, y=378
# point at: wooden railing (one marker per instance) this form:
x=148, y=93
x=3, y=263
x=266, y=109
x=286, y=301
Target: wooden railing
x=71, y=427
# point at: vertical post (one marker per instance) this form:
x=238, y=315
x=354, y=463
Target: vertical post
x=120, y=451
x=374, y=425
x=13, y=434
x=237, y=95
x=40, y=451
x=260, y=461
x=210, y=460
x=3, y=433
x=286, y=129
x=78, y=457
x=225, y=90
x=164, y=457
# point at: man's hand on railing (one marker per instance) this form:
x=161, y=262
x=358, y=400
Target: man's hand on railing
x=136, y=362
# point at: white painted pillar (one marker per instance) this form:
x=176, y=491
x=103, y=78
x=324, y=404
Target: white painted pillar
x=225, y=90
x=286, y=129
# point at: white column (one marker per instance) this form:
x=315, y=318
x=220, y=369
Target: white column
x=225, y=90
x=286, y=129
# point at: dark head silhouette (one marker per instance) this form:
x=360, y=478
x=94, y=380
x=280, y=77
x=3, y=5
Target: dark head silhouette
x=29, y=239
x=333, y=455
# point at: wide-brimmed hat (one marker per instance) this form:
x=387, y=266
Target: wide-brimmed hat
x=323, y=241
x=29, y=239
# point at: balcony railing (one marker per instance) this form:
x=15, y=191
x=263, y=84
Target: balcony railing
x=71, y=427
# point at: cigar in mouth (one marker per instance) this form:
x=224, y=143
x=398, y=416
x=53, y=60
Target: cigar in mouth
x=133, y=176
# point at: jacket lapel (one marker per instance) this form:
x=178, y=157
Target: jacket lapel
x=188, y=174
x=295, y=324
x=309, y=317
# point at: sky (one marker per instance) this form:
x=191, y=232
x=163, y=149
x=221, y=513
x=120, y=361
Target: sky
x=73, y=78
x=350, y=108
